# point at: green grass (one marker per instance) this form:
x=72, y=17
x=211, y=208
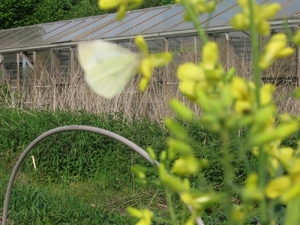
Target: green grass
x=81, y=178
x=85, y=178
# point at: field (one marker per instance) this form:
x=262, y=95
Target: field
x=85, y=178
x=80, y=178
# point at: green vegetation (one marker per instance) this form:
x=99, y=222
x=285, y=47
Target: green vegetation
x=15, y=13
x=90, y=171
x=85, y=178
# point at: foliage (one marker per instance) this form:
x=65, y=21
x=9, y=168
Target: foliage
x=41, y=205
x=80, y=155
x=229, y=105
x=74, y=167
x=153, y=3
x=22, y=13
x=15, y=13
x=96, y=168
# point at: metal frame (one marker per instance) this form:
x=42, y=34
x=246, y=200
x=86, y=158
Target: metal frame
x=107, y=133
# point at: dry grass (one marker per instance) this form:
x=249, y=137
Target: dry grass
x=56, y=88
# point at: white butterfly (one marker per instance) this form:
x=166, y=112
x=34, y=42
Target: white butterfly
x=108, y=67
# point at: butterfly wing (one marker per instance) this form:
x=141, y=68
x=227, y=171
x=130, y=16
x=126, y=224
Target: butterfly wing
x=108, y=67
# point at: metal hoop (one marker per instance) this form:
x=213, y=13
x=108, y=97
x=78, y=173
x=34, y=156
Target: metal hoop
x=107, y=133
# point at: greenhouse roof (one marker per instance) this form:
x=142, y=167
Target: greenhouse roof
x=152, y=23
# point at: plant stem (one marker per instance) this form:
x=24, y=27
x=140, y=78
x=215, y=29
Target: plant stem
x=194, y=19
x=255, y=51
x=170, y=206
x=257, y=78
x=228, y=175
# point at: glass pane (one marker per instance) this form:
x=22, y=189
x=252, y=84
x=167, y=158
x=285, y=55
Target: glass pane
x=143, y=22
x=165, y=21
x=11, y=34
x=84, y=31
x=17, y=39
x=10, y=71
x=26, y=39
x=114, y=26
x=62, y=30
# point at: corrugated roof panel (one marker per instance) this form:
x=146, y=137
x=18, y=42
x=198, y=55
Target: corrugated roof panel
x=164, y=21
x=61, y=30
x=10, y=34
x=152, y=18
x=152, y=21
x=221, y=16
x=88, y=26
x=148, y=19
x=55, y=25
x=38, y=37
x=16, y=38
x=288, y=9
x=26, y=37
x=115, y=26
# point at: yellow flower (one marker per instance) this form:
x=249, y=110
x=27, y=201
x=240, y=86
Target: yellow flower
x=145, y=216
x=273, y=165
x=180, y=147
x=243, y=107
x=238, y=214
x=296, y=38
x=272, y=134
x=210, y=55
x=190, y=72
x=286, y=187
x=146, y=68
x=187, y=88
x=266, y=92
x=188, y=199
x=186, y=166
x=107, y=4
x=142, y=44
x=198, y=7
x=276, y=48
x=181, y=110
x=149, y=61
x=240, y=89
x=198, y=200
x=243, y=93
x=174, y=183
x=287, y=159
x=123, y=6
x=191, y=221
x=278, y=186
x=251, y=191
x=143, y=84
x=204, y=77
x=262, y=13
x=291, y=193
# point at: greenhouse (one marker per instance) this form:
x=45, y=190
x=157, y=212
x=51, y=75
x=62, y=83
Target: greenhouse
x=40, y=70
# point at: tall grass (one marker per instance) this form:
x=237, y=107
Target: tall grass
x=53, y=85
